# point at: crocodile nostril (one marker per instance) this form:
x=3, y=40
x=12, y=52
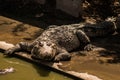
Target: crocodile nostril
x=47, y=56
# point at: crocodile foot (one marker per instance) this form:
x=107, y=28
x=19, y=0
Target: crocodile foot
x=89, y=47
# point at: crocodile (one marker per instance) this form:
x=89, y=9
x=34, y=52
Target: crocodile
x=56, y=42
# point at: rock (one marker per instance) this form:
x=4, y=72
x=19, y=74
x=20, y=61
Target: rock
x=84, y=76
x=5, y=46
x=7, y=70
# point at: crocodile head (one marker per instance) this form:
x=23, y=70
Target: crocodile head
x=44, y=50
x=99, y=30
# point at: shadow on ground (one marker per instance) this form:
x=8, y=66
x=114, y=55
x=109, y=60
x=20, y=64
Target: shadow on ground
x=42, y=20
x=111, y=44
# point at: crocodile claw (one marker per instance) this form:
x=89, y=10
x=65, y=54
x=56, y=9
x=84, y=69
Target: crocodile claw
x=89, y=47
x=9, y=51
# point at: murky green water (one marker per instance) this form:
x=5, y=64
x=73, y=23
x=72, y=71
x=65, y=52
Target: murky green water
x=27, y=71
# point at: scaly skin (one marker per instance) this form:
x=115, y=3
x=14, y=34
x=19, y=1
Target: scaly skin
x=101, y=29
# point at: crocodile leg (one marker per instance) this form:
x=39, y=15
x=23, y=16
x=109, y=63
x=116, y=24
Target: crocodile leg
x=19, y=47
x=84, y=39
x=62, y=57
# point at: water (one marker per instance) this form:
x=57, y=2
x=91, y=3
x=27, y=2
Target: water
x=27, y=71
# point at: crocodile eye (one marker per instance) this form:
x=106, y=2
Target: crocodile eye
x=54, y=47
x=40, y=44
